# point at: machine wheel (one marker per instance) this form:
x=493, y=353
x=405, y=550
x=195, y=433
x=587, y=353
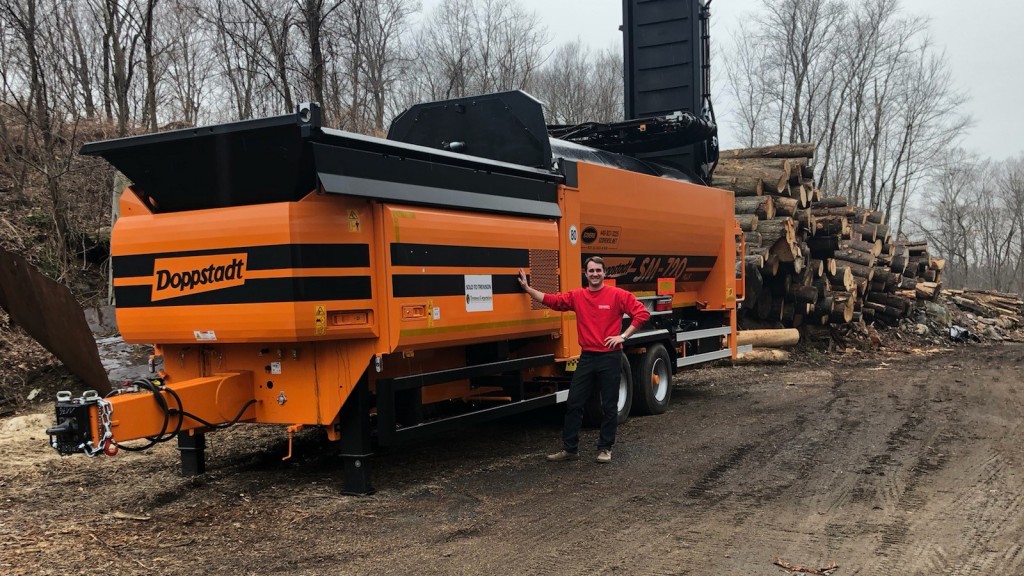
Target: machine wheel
x=652, y=377
x=592, y=409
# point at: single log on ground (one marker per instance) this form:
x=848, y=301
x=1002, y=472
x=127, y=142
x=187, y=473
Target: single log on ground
x=768, y=338
x=766, y=356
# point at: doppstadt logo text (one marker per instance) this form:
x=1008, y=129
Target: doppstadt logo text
x=176, y=277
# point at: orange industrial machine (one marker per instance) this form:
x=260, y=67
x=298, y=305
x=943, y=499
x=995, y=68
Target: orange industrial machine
x=297, y=275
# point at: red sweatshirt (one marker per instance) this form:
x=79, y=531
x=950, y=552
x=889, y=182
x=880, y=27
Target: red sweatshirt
x=599, y=313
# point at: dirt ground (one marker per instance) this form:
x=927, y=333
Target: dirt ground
x=882, y=463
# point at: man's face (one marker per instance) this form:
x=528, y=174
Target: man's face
x=595, y=275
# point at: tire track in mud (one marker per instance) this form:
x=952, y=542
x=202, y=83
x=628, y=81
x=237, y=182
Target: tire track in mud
x=989, y=508
x=898, y=551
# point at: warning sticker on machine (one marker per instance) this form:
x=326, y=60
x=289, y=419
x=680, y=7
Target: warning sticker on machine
x=204, y=335
x=479, y=293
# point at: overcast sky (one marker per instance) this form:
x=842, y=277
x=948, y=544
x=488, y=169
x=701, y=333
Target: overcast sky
x=982, y=40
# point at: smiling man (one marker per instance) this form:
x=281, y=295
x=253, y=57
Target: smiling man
x=599, y=311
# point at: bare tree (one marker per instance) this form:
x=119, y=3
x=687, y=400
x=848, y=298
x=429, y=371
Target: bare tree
x=189, y=63
x=381, y=54
x=747, y=75
x=950, y=215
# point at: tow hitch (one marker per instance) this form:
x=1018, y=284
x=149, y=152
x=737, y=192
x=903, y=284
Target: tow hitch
x=73, y=433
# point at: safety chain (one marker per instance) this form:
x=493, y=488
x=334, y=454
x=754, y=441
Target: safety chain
x=105, y=410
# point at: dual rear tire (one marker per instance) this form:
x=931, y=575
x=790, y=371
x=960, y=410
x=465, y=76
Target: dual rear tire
x=644, y=388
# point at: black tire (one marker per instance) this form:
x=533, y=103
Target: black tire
x=592, y=409
x=652, y=379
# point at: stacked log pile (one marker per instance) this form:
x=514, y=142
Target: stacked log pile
x=812, y=259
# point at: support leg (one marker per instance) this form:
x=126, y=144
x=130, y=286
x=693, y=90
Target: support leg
x=356, y=444
x=192, y=446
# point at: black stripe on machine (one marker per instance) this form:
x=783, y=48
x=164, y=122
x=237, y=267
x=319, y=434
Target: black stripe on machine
x=311, y=289
x=430, y=285
x=403, y=254
x=277, y=257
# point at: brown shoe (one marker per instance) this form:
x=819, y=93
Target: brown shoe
x=604, y=456
x=562, y=456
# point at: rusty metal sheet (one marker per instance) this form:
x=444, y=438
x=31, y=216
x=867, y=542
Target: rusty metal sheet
x=51, y=315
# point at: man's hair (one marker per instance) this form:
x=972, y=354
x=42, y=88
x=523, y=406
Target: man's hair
x=595, y=260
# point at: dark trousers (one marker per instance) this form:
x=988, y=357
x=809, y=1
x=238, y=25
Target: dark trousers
x=597, y=372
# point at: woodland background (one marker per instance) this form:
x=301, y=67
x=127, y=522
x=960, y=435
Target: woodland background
x=861, y=79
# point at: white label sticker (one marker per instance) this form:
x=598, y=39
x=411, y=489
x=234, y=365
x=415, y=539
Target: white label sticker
x=574, y=235
x=275, y=367
x=479, y=293
x=203, y=335
x=437, y=313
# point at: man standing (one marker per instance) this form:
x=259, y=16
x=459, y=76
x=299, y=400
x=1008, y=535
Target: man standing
x=599, y=311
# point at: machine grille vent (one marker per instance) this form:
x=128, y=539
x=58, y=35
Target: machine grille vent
x=543, y=273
